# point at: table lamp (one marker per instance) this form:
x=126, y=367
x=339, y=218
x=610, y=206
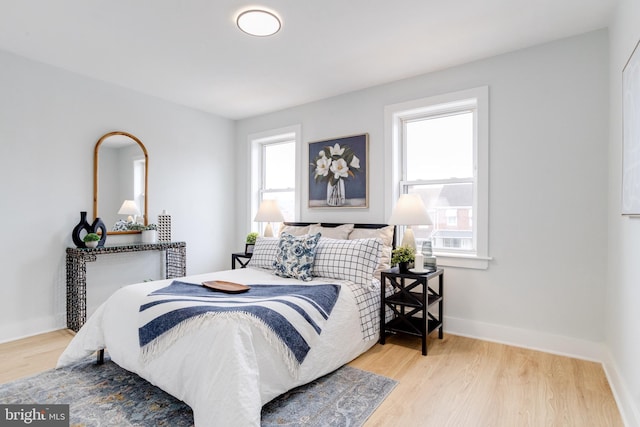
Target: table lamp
x=409, y=210
x=130, y=208
x=269, y=212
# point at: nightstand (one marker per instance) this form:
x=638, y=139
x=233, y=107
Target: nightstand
x=241, y=258
x=413, y=300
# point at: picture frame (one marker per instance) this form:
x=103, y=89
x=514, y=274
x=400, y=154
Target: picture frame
x=631, y=135
x=339, y=172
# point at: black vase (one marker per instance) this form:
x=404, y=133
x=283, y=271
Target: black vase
x=82, y=225
x=89, y=228
x=98, y=224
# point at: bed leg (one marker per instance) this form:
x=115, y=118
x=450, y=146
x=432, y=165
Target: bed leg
x=100, y=359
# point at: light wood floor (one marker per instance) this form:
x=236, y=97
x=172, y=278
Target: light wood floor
x=462, y=382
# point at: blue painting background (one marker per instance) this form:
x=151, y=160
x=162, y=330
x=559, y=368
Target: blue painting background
x=355, y=188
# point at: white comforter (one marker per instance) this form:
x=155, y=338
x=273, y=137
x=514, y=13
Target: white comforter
x=227, y=371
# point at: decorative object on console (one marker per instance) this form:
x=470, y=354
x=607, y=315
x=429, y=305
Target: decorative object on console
x=250, y=242
x=409, y=210
x=164, y=227
x=269, y=212
x=91, y=240
x=402, y=256
x=339, y=172
x=150, y=234
x=83, y=225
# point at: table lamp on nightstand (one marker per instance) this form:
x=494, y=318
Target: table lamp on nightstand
x=409, y=210
x=269, y=212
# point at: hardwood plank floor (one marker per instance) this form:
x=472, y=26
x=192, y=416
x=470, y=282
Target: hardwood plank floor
x=462, y=382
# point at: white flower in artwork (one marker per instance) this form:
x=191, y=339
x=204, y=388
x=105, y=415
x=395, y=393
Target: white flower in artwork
x=335, y=163
x=322, y=166
x=339, y=168
x=355, y=163
x=336, y=150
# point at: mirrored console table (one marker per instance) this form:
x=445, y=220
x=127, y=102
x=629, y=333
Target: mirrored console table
x=77, y=258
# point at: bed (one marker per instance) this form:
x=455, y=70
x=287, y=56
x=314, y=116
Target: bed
x=227, y=362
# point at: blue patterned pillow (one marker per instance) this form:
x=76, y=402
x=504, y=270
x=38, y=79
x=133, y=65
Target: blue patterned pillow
x=295, y=256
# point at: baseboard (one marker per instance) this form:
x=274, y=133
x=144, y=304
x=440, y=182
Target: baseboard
x=41, y=325
x=629, y=411
x=534, y=340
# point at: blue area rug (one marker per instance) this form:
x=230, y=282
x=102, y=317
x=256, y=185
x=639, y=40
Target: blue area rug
x=108, y=395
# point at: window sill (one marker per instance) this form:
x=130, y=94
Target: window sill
x=462, y=261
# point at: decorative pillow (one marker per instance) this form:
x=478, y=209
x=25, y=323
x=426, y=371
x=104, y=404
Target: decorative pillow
x=295, y=256
x=386, y=235
x=264, y=252
x=339, y=232
x=295, y=230
x=353, y=260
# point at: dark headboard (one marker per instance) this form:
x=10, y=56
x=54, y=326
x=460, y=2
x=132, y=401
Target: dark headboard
x=335, y=224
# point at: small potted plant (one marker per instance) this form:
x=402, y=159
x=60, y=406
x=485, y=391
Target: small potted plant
x=402, y=256
x=91, y=240
x=150, y=234
x=250, y=242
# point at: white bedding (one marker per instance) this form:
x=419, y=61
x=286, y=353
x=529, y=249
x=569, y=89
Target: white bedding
x=227, y=371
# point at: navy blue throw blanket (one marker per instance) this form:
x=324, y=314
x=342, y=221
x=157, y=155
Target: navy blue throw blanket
x=294, y=313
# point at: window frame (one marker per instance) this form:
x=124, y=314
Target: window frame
x=395, y=164
x=257, y=142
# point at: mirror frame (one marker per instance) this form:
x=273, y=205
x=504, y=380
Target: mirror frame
x=95, y=177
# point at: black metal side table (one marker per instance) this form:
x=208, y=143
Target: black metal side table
x=411, y=302
x=241, y=258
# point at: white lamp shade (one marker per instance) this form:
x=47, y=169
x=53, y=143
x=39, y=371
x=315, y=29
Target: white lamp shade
x=269, y=212
x=129, y=207
x=410, y=210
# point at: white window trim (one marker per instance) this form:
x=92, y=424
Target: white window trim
x=394, y=114
x=255, y=141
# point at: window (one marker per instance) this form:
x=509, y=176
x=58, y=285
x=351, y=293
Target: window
x=274, y=163
x=438, y=149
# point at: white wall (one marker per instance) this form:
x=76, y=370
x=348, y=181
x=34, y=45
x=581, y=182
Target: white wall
x=623, y=278
x=50, y=120
x=548, y=183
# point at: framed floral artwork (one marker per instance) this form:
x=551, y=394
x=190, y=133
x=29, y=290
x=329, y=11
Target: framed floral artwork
x=339, y=172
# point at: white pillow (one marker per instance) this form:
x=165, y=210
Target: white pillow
x=339, y=232
x=386, y=235
x=264, y=252
x=295, y=230
x=353, y=260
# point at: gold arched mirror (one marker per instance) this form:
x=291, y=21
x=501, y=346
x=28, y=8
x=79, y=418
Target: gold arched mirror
x=120, y=175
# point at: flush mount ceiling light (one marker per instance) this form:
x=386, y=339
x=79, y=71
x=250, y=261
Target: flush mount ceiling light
x=258, y=22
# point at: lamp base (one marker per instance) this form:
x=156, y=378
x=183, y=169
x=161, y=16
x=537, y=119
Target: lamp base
x=268, y=230
x=409, y=240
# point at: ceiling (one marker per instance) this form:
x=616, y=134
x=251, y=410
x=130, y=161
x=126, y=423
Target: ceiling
x=190, y=51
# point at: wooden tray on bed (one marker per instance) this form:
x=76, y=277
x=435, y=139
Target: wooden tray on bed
x=227, y=287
